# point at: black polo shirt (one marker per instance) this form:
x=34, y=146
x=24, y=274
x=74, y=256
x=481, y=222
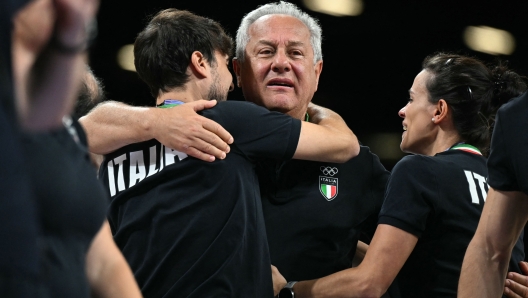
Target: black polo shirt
x=315, y=212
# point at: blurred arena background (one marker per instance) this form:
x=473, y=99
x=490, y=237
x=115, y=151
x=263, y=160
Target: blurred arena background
x=372, y=50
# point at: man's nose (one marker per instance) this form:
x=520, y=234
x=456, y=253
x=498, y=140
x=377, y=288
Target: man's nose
x=281, y=62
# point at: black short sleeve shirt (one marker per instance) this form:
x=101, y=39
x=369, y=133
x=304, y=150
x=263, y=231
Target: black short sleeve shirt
x=438, y=199
x=508, y=160
x=190, y=228
x=315, y=212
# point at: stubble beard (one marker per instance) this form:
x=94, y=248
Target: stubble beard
x=215, y=90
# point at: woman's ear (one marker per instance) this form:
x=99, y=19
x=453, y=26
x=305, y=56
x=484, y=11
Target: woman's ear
x=441, y=111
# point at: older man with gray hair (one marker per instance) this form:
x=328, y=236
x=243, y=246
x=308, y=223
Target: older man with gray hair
x=315, y=212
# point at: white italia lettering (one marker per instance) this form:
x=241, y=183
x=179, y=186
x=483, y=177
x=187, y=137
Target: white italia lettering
x=111, y=181
x=170, y=155
x=118, y=161
x=162, y=162
x=470, y=176
x=481, y=181
x=152, y=168
x=137, y=168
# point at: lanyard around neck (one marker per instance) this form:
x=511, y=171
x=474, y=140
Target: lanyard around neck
x=169, y=103
x=466, y=148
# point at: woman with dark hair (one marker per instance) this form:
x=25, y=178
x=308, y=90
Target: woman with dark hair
x=435, y=197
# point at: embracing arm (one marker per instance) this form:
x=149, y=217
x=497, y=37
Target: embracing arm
x=329, y=139
x=108, y=272
x=388, y=250
x=486, y=260
x=112, y=125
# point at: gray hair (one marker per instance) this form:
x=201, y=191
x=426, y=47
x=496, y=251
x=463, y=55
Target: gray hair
x=284, y=8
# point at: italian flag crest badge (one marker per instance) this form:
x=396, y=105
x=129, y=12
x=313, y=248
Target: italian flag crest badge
x=328, y=187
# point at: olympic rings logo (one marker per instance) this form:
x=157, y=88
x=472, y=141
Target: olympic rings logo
x=329, y=171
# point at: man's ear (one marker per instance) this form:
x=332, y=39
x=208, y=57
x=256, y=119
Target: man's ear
x=318, y=69
x=236, y=68
x=199, y=65
x=441, y=111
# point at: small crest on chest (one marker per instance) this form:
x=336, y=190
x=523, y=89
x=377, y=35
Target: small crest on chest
x=328, y=187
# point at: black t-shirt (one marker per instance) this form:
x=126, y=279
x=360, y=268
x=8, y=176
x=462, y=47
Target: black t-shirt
x=71, y=206
x=438, y=199
x=190, y=228
x=315, y=211
x=508, y=160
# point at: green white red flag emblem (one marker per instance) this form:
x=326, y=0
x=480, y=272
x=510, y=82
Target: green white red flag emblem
x=328, y=187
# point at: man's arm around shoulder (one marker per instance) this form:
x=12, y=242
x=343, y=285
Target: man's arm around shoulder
x=112, y=125
x=327, y=139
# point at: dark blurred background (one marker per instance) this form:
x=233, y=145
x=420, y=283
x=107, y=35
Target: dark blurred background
x=370, y=60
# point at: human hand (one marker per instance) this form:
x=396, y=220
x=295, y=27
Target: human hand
x=516, y=285
x=33, y=26
x=74, y=18
x=278, y=280
x=193, y=134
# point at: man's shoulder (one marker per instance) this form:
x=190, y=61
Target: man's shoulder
x=233, y=107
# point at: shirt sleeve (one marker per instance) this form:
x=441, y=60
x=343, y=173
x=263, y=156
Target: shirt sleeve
x=501, y=172
x=258, y=133
x=408, y=199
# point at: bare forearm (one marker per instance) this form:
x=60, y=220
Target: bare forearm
x=482, y=273
x=116, y=281
x=337, y=144
x=112, y=125
x=486, y=260
x=107, y=270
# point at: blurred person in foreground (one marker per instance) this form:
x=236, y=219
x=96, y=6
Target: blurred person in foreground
x=77, y=255
x=18, y=223
x=193, y=228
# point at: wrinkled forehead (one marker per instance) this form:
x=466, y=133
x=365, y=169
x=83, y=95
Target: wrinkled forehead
x=277, y=27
